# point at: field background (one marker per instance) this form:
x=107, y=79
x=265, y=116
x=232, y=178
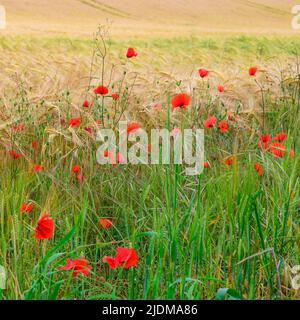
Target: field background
x=81, y=17
x=241, y=230
x=172, y=37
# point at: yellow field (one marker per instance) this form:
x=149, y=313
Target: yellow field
x=47, y=47
x=145, y=231
x=144, y=17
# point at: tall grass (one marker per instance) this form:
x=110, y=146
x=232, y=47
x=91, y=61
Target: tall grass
x=225, y=228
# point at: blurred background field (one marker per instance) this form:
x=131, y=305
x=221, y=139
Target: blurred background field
x=48, y=45
x=226, y=228
x=132, y=18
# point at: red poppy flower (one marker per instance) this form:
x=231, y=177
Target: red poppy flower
x=115, y=96
x=221, y=88
x=229, y=160
x=203, y=73
x=131, y=53
x=18, y=127
x=232, y=117
x=252, y=71
x=265, y=138
x=264, y=141
x=73, y=122
x=206, y=164
x=181, y=100
x=35, y=144
x=277, y=149
x=280, y=137
x=14, y=154
x=111, y=261
x=125, y=257
x=76, y=168
x=223, y=126
x=259, y=169
x=105, y=223
x=37, y=167
x=26, y=207
x=210, y=122
x=45, y=227
x=101, y=90
x=79, y=177
x=106, y=153
x=78, y=266
x=86, y=104
x=291, y=153
x=132, y=127
x=88, y=129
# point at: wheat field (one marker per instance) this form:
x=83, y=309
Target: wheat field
x=71, y=228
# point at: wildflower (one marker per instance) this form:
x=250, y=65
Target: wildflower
x=181, y=100
x=111, y=261
x=252, y=71
x=76, y=168
x=264, y=141
x=203, y=73
x=291, y=153
x=86, y=104
x=14, y=154
x=221, y=88
x=73, y=122
x=106, y=153
x=280, y=137
x=231, y=116
x=277, y=149
x=206, y=164
x=79, y=177
x=37, y=167
x=229, y=160
x=102, y=90
x=115, y=96
x=26, y=207
x=88, y=129
x=223, y=126
x=210, y=122
x=105, y=223
x=18, y=127
x=35, y=144
x=259, y=169
x=78, y=266
x=131, y=53
x=125, y=257
x=132, y=127
x=45, y=227
x=265, y=138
